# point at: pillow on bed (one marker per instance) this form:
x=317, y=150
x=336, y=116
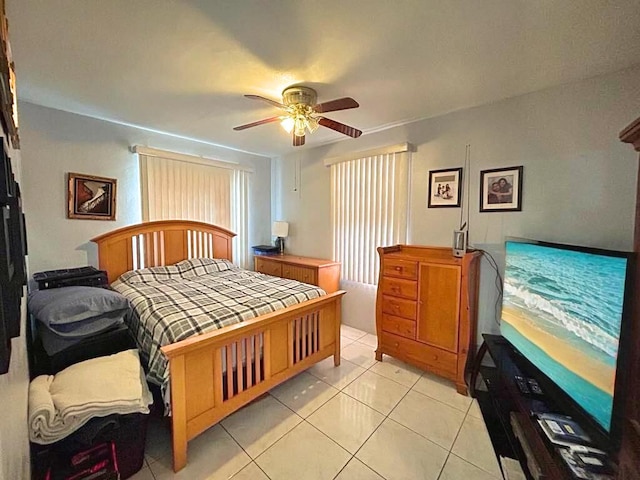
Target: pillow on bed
x=151, y=274
x=67, y=305
x=199, y=266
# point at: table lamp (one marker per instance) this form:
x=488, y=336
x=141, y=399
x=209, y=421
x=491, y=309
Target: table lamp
x=281, y=231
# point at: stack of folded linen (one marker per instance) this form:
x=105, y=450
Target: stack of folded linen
x=60, y=404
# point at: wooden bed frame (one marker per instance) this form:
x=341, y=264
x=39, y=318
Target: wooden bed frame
x=202, y=392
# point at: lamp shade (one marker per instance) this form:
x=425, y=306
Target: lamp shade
x=280, y=229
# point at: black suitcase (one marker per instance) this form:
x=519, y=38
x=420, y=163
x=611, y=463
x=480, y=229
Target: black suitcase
x=71, y=277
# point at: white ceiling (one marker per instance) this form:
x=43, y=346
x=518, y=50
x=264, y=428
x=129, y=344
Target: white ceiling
x=182, y=66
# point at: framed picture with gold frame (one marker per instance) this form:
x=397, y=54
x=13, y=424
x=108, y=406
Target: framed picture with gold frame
x=91, y=197
x=8, y=96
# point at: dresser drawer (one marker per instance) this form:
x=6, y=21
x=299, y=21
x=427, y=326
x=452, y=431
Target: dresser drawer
x=439, y=361
x=301, y=274
x=400, y=269
x=268, y=267
x=399, y=287
x=399, y=326
x=399, y=307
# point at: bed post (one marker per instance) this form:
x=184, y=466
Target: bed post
x=338, y=318
x=178, y=412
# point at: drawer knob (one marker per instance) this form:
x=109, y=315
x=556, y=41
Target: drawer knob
x=397, y=344
x=395, y=288
x=399, y=269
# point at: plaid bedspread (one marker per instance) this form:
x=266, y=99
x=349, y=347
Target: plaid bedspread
x=195, y=296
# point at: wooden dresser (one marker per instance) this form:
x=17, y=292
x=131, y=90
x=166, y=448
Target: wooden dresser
x=426, y=309
x=316, y=271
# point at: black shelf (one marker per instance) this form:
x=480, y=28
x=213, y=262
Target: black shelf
x=490, y=403
x=502, y=398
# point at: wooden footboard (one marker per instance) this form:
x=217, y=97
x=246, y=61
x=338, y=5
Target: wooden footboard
x=214, y=374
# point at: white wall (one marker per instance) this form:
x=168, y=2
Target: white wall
x=55, y=143
x=14, y=387
x=579, y=180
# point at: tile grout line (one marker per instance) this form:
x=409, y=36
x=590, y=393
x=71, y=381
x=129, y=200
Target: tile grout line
x=450, y=452
x=376, y=429
x=149, y=468
x=241, y=448
x=469, y=461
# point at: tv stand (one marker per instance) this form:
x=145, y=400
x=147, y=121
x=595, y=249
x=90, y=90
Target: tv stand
x=507, y=412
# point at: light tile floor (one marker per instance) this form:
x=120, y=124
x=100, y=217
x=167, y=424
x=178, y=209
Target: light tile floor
x=364, y=420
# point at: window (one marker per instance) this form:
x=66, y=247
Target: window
x=369, y=202
x=176, y=186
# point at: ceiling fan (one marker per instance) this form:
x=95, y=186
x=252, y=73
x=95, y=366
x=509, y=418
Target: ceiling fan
x=301, y=113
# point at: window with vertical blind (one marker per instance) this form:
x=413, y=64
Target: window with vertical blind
x=177, y=186
x=369, y=208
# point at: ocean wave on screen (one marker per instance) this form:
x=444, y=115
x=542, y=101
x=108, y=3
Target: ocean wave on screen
x=588, y=332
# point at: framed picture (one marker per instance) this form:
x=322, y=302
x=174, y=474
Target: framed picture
x=8, y=99
x=6, y=176
x=91, y=197
x=445, y=188
x=501, y=190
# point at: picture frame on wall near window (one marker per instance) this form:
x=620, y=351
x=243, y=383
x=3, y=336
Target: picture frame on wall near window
x=445, y=188
x=91, y=197
x=501, y=190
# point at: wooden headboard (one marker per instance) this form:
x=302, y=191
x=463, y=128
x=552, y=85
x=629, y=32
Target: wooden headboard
x=162, y=242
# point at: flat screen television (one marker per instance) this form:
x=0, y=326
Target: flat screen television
x=563, y=309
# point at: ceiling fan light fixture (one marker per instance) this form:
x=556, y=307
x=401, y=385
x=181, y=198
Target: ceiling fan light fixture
x=287, y=123
x=300, y=124
x=312, y=124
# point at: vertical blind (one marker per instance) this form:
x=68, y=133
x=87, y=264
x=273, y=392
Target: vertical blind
x=240, y=216
x=369, y=203
x=179, y=189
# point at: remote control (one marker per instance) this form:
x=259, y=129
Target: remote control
x=534, y=386
x=522, y=384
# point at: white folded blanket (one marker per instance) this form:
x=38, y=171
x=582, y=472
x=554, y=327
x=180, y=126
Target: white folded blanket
x=60, y=404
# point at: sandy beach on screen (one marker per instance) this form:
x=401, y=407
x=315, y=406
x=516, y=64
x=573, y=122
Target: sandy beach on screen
x=600, y=375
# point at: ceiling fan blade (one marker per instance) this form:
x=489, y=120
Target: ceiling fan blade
x=259, y=122
x=298, y=141
x=268, y=100
x=338, y=104
x=339, y=127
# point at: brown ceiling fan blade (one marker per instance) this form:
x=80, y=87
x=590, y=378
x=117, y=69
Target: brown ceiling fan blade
x=298, y=141
x=268, y=100
x=338, y=104
x=339, y=127
x=255, y=124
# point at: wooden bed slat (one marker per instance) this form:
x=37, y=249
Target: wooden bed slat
x=256, y=358
x=267, y=354
x=240, y=364
x=228, y=372
x=304, y=337
x=250, y=369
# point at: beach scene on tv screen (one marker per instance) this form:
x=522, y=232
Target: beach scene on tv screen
x=562, y=310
